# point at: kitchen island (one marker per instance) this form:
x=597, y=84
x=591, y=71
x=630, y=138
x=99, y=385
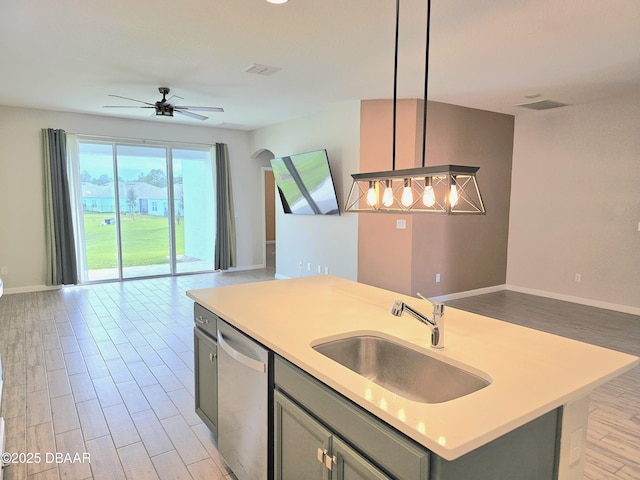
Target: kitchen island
x=531, y=373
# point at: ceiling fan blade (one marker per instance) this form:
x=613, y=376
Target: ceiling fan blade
x=132, y=99
x=189, y=114
x=171, y=100
x=124, y=106
x=202, y=109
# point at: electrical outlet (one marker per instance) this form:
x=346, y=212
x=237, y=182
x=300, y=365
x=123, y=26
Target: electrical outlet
x=319, y=269
x=326, y=270
x=4, y=271
x=401, y=224
x=437, y=278
x=575, y=449
x=578, y=278
x=309, y=267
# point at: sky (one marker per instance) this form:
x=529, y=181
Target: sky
x=97, y=159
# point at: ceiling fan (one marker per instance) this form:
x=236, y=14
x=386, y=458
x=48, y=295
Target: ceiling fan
x=166, y=107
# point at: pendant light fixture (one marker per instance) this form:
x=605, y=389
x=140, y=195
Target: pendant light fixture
x=446, y=189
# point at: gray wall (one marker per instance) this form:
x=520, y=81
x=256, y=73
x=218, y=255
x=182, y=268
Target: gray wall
x=575, y=204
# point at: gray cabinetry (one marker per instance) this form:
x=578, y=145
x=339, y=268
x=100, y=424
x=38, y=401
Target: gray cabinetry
x=205, y=350
x=300, y=443
x=363, y=446
x=206, y=376
x=350, y=465
x=306, y=450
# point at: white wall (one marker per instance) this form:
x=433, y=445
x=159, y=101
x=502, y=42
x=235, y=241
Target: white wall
x=22, y=248
x=328, y=241
x=575, y=204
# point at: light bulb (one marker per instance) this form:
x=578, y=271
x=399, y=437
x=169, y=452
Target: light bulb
x=453, y=196
x=372, y=195
x=429, y=196
x=407, y=193
x=387, y=196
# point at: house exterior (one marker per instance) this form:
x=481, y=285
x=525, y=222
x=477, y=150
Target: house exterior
x=137, y=197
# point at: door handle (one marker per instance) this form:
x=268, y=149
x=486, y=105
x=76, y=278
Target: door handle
x=240, y=357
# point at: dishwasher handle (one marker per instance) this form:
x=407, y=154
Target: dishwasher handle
x=240, y=357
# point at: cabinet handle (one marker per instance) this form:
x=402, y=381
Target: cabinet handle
x=321, y=454
x=202, y=320
x=329, y=461
x=212, y=356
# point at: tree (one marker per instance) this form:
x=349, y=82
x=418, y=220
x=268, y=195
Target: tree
x=155, y=177
x=85, y=177
x=103, y=180
x=131, y=200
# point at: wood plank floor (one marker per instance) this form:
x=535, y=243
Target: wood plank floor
x=107, y=369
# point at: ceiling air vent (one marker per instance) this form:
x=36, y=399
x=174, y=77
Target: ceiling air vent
x=258, y=69
x=542, y=105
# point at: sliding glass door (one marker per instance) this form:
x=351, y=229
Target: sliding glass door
x=194, y=219
x=100, y=255
x=156, y=219
x=145, y=239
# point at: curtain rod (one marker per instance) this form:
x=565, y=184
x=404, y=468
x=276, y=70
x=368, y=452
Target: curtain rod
x=141, y=140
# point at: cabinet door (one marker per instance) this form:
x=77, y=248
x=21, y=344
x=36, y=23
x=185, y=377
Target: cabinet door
x=300, y=443
x=205, y=352
x=350, y=465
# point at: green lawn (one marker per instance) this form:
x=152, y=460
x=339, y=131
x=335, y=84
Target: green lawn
x=145, y=240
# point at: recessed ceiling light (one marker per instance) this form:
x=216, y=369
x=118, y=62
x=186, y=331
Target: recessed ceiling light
x=259, y=69
x=542, y=105
x=277, y=1
x=532, y=95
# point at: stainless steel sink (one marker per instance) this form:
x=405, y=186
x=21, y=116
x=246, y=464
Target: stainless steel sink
x=406, y=372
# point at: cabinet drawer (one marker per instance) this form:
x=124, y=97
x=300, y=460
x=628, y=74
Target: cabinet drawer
x=384, y=446
x=205, y=320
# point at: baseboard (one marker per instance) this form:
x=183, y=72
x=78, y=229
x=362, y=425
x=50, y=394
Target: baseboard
x=580, y=300
x=541, y=293
x=42, y=288
x=468, y=293
x=246, y=267
x=442, y=298
x=30, y=289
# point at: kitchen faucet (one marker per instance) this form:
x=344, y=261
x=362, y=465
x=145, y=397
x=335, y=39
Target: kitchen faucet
x=436, y=323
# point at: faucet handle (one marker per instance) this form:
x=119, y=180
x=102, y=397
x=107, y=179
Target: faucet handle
x=397, y=308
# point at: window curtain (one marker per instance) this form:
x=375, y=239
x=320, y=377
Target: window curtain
x=60, y=243
x=77, y=210
x=225, y=244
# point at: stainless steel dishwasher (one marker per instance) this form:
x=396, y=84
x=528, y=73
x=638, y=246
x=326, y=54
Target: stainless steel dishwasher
x=244, y=404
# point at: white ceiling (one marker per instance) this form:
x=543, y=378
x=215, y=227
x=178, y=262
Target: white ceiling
x=69, y=55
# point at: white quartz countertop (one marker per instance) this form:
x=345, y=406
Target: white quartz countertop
x=531, y=372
